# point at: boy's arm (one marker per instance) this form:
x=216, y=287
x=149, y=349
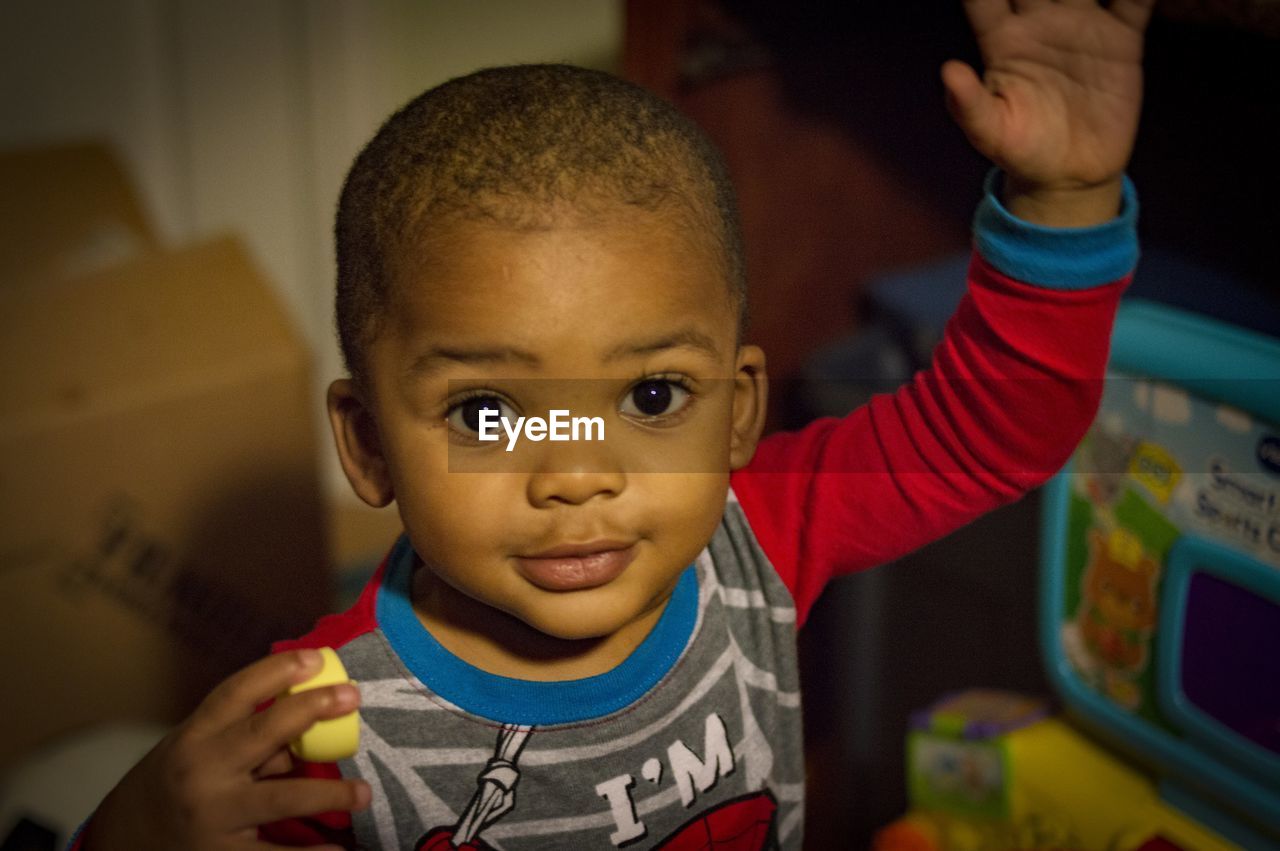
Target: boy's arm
x=1017, y=377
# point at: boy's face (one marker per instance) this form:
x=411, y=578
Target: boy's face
x=623, y=318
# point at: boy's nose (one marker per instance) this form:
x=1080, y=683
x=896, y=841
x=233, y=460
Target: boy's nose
x=573, y=478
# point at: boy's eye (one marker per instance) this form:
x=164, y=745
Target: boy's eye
x=655, y=398
x=465, y=416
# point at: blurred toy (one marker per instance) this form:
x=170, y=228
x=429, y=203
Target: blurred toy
x=335, y=738
x=1159, y=621
x=1160, y=576
x=988, y=769
x=912, y=832
x=956, y=757
x=1159, y=624
x=1117, y=613
x=932, y=831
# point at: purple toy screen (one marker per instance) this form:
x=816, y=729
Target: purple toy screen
x=1231, y=658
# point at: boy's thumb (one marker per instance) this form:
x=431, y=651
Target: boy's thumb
x=970, y=104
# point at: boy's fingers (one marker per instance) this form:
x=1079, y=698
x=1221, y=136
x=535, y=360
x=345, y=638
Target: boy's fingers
x=278, y=763
x=1135, y=13
x=985, y=14
x=255, y=740
x=236, y=697
x=274, y=800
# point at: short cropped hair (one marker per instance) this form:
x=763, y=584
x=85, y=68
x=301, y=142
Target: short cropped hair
x=503, y=144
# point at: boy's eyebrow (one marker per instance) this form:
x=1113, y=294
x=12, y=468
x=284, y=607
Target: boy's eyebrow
x=686, y=338
x=435, y=357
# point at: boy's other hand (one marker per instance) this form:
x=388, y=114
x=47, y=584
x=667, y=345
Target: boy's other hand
x=214, y=779
x=1057, y=106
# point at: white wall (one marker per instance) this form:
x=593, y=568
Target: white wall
x=244, y=115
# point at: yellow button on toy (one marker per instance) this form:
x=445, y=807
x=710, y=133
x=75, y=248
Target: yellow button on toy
x=335, y=738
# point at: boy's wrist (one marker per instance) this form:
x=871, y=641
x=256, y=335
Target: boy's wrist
x=1057, y=257
x=1062, y=207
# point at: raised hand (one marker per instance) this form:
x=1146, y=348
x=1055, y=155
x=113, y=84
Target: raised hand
x=1057, y=106
x=212, y=781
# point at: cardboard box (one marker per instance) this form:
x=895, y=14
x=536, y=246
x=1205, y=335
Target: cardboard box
x=67, y=211
x=161, y=514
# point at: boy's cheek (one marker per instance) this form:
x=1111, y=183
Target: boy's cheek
x=699, y=447
x=457, y=506
x=685, y=508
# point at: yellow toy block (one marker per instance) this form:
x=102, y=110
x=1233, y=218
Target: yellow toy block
x=1043, y=785
x=335, y=738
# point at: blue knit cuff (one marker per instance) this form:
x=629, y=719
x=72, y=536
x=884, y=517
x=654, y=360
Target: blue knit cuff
x=1057, y=258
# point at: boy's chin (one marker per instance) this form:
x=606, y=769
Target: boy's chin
x=588, y=620
x=579, y=628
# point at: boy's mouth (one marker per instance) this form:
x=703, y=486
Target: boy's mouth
x=577, y=567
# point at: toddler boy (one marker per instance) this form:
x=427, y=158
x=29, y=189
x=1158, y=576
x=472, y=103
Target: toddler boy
x=591, y=643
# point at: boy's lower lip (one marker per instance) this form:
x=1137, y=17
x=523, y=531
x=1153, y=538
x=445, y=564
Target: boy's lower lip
x=576, y=572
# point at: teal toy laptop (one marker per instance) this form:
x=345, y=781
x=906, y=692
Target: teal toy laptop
x=1160, y=592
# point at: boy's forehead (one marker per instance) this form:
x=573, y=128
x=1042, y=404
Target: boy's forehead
x=626, y=248
x=633, y=269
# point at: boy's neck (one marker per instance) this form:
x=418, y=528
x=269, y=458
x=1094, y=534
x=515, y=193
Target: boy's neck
x=498, y=643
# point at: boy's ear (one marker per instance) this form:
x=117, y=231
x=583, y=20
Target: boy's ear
x=359, y=448
x=750, y=400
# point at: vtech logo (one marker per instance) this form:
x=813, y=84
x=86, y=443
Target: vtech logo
x=1269, y=453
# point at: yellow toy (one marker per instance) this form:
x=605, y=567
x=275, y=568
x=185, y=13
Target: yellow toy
x=988, y=770
x=336, y=738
